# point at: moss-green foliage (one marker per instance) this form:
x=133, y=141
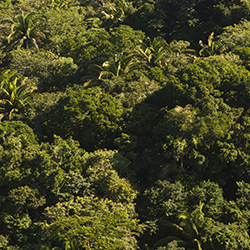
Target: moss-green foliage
x=236, y=35
x=89, y=222
x=186, y=19
x=48, y=70
x=204, y=105
x=90, y=116
x=136, y=133
x=201, y=217
x=36, y=176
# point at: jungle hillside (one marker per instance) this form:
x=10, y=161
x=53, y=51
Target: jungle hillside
x=125, y=124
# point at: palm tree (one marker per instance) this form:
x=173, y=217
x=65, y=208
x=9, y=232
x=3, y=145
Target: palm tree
x=14, y=93
x=212, y=47
x=25, y=32
x=189, y=231
x=59, y=4
x=114, y=10
x=193, y=223
x=121, y=5
x=117, y=65
x=153, y=53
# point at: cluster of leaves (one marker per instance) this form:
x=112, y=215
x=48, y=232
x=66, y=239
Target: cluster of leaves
x=63, y=195
x=121, y=127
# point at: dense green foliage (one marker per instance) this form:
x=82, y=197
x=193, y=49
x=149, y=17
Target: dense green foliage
x=125, y=124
